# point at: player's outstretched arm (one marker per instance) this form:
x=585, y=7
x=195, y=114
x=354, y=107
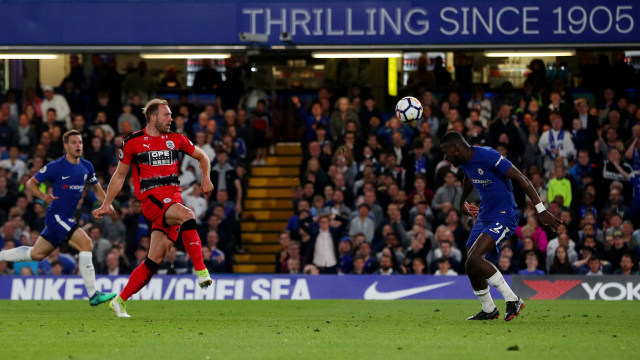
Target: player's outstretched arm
x=205, y=166
x=32, y=185
x=115, y=185
x=546, y=218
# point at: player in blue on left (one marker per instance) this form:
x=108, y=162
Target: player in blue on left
x=67, y=176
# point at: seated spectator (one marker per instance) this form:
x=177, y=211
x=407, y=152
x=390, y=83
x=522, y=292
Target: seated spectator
x=526, y=246
x=595, y=268
x=532, y=265
x=173, y=264
x=615, y=253
x=561, y=240
x=444, y=267
x=418, y=267
x=215, y=259
x=445, y=250
x=504, y=264
x=386, y=266
x=370, y=262
x=346, y=260
x=626, y=265
x=561, y=263
x=293, y=252
x=363, y=223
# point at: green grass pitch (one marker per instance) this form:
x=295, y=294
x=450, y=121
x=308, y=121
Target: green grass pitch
x=318, y=329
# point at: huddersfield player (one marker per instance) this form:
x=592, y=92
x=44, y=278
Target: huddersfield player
x=67, y=176
x=153, y=152
x=491, y=174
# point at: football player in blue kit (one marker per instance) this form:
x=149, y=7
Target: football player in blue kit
x=497, y=217
x=67, y=177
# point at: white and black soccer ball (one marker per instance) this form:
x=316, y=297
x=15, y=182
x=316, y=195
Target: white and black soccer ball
x=408, y=109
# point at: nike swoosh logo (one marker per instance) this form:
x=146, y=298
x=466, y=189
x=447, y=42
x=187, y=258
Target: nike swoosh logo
x=372, y=294
x=65, y=177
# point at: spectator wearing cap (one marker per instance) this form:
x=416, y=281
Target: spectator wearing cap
x=363, y=223
x=344, y=251
x=617, y=250
x=59, y=103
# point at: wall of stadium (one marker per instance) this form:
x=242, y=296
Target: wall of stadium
x=292, y=287
x=420, y=22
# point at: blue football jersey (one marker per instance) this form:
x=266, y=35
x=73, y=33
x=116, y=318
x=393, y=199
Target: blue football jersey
x=67, y=181
x=487, y=170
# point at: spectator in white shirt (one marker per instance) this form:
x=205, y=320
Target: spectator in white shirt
x=57, y=102
x=13, y=164
x=192, y=198
x=556, y=142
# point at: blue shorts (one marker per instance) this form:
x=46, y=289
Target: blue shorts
x=57, y=230
x=499, y=228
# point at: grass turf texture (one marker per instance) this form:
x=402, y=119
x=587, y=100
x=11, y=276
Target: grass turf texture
x=319, y=329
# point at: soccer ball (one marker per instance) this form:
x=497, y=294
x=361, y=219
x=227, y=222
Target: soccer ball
x=408, y=109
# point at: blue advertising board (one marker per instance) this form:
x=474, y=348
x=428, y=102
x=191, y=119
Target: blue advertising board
x=253, y=287
x=299, y=287
x=420, y=22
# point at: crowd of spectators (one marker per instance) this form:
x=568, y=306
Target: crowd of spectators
x=376, y=195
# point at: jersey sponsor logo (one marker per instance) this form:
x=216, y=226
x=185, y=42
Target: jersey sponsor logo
x=73, y=187
x=65, y=177
x=482, y=182
x=171, y=145
x=373, y=294
x=166, y=200
x=160, y=157
x=44, y=169
x=480, y=172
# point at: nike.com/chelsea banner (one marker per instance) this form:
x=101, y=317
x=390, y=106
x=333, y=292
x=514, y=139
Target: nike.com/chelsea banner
x=298, y=287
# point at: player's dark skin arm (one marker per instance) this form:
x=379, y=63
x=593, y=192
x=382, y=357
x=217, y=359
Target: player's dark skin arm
x=467, y=188
x=546, y=218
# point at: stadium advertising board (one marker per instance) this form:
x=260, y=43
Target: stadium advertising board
x=260, y=287
x=298, y=287
x=577, y=287
x=421, y=22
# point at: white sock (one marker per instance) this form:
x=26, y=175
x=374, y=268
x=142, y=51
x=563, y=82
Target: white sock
x=485, y=299
x=21, y=253
x=87, y=271
x=497, y=281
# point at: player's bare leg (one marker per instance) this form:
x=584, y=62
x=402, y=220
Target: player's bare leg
x=37, y=252
x=482, y=273
x=160, y=245
x=178, y=214
x=80, y=241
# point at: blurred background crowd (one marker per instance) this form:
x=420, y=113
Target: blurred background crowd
x=375, y=194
